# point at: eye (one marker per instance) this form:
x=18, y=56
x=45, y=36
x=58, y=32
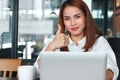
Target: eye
x=67, y=18
x=77, y=16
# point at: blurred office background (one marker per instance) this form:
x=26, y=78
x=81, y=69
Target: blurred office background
x=26, y=25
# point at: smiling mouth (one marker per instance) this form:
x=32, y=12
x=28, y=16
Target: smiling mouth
x=74, y=29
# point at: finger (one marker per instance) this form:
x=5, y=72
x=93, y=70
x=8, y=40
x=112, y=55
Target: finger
x=66, y=43
x=59, y=29
x=67, y=37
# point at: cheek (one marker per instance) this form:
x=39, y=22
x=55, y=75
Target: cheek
x=82, y=23
x=82, y=27
x=66, y=24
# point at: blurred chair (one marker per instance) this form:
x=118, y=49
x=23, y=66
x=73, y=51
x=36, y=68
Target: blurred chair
x=9, y=67
x=20, y=50
x=5, y=52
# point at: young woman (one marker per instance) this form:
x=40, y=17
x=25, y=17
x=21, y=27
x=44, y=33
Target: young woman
x=83, y=35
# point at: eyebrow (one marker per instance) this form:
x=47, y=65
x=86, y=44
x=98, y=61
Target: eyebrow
x=74, y=15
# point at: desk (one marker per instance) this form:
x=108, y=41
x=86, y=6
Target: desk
x=4, y=78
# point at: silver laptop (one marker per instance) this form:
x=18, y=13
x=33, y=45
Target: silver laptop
x=73, y=66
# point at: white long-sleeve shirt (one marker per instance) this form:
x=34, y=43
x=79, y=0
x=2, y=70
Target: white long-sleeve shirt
x=101, y=45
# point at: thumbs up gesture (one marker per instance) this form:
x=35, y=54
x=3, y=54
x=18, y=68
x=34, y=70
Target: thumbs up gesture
x=60, y=40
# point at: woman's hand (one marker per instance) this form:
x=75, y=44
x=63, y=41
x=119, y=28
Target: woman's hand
x=60, y=40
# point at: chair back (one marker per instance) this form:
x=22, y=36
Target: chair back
x=9, y=66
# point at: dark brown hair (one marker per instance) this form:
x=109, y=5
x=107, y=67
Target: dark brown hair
x=91, y=30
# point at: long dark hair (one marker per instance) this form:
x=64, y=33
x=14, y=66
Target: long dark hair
x=91, y=30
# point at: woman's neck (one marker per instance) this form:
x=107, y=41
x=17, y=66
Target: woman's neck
x=76, y=38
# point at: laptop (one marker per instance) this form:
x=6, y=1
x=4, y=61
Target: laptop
x=73, y=66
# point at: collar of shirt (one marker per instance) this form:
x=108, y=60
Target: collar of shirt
x=73, y=47
x=81, y=42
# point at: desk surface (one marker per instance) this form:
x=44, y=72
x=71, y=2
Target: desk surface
x=4, y=78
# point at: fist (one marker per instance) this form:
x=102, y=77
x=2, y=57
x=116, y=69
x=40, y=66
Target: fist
x=60, y=40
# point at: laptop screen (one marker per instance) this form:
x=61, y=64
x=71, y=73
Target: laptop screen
x=72, y=66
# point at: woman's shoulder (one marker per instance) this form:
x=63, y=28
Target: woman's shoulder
x=101, y=43
x=101, y=40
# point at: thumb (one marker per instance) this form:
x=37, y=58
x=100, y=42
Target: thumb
x=59, y=29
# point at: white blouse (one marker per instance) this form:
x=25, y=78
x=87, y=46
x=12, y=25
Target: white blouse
x=100, y=45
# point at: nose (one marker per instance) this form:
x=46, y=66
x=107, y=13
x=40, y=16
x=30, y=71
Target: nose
x=73, y=22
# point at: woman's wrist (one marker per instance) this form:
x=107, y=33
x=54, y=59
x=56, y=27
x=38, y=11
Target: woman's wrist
x=51, y=47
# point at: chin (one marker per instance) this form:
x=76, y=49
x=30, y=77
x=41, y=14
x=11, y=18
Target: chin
x=75, y=34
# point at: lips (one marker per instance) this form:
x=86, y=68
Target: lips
x=74, y=29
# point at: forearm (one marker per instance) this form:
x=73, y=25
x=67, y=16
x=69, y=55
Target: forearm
x=38, y=62
x=109, y=75
x=50, y=47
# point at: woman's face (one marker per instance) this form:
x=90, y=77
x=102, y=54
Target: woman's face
x=74, y=20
